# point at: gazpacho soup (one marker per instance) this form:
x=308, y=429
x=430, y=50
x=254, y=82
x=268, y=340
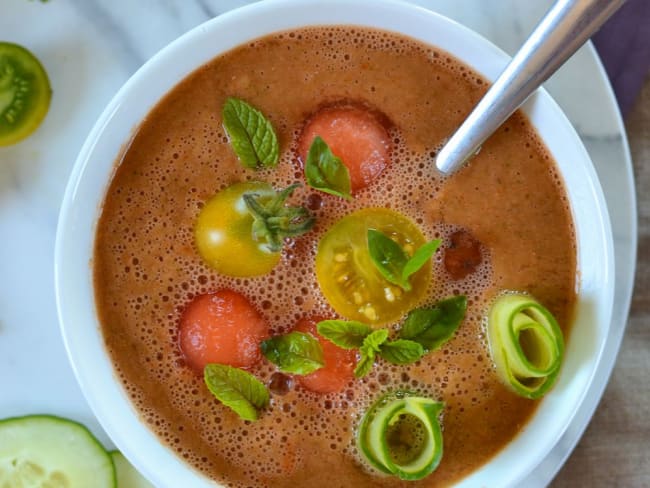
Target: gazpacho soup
x=292, y=295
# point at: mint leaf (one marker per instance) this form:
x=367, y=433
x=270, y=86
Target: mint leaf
x=432, y=327
x=401, y=351
x=296, y=353
x=251, y=134
x=389, y=258
x=368, y=350
x=345, y=334
x=236, y=389
x=326, y=172
x=420, y=258
x=375, y=340
x=364, y=366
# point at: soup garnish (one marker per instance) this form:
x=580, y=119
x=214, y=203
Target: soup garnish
x=337, y=371
x=251, y=134
x=355, y=135
x=296, y=352
x=348, y=277
x=221, y=327
x=433, y=326
x=237, y=389
x=240, y=231
x=526, y=344
x=397, y=264
x=326, y=172
x=400, y=435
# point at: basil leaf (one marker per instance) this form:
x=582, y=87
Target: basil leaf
x=326, y=172
x=391, y=260
x=345, y=334
x=236, y=389
x=368, y=350
x=401, y=351
x=420, y=258
x=432, y=327
x=388, y=257
x=296, y=353
x=251, y=134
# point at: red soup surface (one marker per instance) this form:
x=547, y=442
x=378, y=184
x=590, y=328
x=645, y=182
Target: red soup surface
x=503, y=219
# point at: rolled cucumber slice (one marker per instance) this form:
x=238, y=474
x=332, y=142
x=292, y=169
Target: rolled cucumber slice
x=400, y=435
x=526, y=344
x=44, y=451
x=127, y=475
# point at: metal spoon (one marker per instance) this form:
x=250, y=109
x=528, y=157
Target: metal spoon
x=566, y=27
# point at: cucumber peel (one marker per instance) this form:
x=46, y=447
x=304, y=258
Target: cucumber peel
x=44, y=450
x=526, y=344
x=380, y=435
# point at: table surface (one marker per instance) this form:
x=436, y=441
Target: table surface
x=90, y=47
x=614, y=450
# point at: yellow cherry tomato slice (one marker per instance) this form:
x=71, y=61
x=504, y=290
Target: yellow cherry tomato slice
x=350, y=280
x=24, y=93
x=224, y=235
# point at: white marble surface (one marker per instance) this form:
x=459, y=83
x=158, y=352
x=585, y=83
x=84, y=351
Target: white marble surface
x=90, y=47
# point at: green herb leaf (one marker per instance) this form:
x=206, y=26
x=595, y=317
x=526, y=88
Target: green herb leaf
x=251, y=135
x=393, y=263
x=236, y=389
x=273, y=221
x=325, y=172
x=296, y=353
x=345, y=334
x=388, y=257
x=432, y=327
x=364, y=366
x=420, y=258
x=401, y=351
x=369, y=349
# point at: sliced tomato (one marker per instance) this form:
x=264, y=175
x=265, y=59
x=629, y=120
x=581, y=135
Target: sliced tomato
x=221, y=327
x=355, y=135
x=348, y=277
x=24, y=93
x=339, y=363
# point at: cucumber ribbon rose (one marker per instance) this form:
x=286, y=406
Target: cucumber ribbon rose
x=526, y=344
x=400, y=435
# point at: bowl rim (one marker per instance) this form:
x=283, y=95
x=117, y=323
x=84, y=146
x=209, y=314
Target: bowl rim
x=74, y=193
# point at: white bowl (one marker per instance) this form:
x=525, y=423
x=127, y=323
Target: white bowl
x=95, y=165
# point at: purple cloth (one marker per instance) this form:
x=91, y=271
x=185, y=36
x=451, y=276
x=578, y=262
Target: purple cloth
x=624, y=47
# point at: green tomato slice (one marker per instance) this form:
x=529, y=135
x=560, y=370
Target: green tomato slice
x=24, y=93
x=526, y=344
x=401, y=435
x=350, y=280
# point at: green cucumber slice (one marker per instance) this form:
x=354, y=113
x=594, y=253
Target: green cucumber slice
x=363, y=443
x=127, y=475
x=51, y=452
x=526, y=344
x=401, y=435
x=25, y=93
x=426, y=411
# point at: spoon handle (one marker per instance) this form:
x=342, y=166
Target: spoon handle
x=566, y=27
